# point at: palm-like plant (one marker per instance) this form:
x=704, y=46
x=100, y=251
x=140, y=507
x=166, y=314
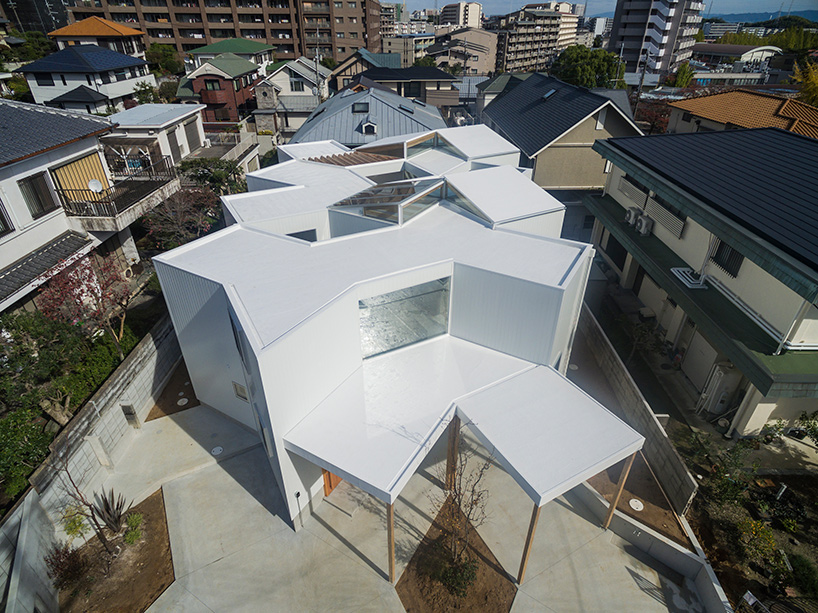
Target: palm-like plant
x=110, y=509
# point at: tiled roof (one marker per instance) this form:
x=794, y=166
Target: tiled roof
x=17, y=276
x=413, y=73
x=232, y=64
x=83, y=59
x=27, y=129
x=749, y=109
x=96, y=26
x=82, y=93
x=241, y=46
x=352, y=158
x=763, y=179
x=297, y=103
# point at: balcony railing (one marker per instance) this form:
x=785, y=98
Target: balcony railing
x=233, y=145
x=123, y=195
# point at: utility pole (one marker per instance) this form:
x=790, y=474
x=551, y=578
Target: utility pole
x=641, y=81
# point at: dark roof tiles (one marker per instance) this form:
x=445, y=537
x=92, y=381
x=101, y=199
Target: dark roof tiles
x=82, y=59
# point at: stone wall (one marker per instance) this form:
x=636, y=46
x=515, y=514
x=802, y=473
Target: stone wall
x=670, y=469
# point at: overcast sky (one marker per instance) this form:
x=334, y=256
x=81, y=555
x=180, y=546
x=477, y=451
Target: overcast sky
x=495, y=7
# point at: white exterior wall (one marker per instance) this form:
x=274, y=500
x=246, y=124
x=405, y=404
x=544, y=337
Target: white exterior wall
x=758, y=410
x=114, y=90
x=773, y=300
x=162, y=135
x=548, y=224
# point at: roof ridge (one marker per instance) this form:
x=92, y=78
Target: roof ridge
x=41, y=108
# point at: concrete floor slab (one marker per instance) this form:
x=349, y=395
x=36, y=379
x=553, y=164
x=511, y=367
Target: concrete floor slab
x=176, y=599
x=170, y=447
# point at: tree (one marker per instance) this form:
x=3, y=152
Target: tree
x=166, y=58
x=682, y=77
x=23, y=445
x=167, y=91
x=807, y=75
x=219, y=175
x=426, y=60
x=145, y=93
x=329, y=62
x=456, y=69
x=19, y=89
x=37, y=46
x=655, y=114
x=90, y=293
x=643, y=336
x=586, y=67
x=182, y=217
x=699, y=38
x=597, y=44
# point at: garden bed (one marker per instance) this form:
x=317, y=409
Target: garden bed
x=134, y=579
x=421, y=591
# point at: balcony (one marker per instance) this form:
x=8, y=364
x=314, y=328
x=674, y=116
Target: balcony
x=115, y=208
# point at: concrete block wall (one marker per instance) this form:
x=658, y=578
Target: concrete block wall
x=670, y=469
x=99, y=435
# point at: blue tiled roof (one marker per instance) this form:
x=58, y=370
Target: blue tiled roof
x=83, y=59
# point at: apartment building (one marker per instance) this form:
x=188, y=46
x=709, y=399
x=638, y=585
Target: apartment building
x=330, y=28
x=474, y=50
x=411, y=47
x=462, y=15
x=529, y=39
x=714, y=232
x=659, y=32
x=390, y=15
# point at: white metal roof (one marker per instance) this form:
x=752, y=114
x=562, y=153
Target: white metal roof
x=376, y=428
x=489, y=190
x=546, y=432
x=437, y=162
x=309, y=150
x=154, y=115
x=478, y=141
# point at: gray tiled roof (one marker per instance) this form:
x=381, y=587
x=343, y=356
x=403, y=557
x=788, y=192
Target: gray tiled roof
x=297, y=103
x=15, y=277
x=27, y=129
x=335, y=120
x=763, y=179
x=531, y=122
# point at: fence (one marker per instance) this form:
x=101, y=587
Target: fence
x=670, y=469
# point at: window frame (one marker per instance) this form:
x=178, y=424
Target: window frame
x=29, y=192
x=42, y=77
x=6, y=227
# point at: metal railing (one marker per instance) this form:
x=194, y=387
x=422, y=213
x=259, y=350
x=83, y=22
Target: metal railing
x=241, y=142
x=123, y=195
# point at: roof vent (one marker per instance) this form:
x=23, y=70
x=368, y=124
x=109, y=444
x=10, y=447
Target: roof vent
x=549, y=93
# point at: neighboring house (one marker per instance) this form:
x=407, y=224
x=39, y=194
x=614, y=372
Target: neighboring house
x=742, y=109
x=721, y=249
x=432, y=86
x=356, y=118
x=225, y=85
x=361, y=61
x=288, y=95
x=555, y=125
x=51, y=209
x=259, y=53
x=86, y=78
x=292, y=320
x=103, y=33
x=489, y=89
x=473, y=49
x=411, y=47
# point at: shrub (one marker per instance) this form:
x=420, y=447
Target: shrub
x=132, y=535
x=133, y=520
x=73, y=522
x=457, y=578
x=758, y=540
x=111, y=509
x=804, y=574
x=65, y=565
x=790, y=525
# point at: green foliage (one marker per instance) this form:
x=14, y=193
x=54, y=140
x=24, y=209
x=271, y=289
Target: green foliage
x=786, y=21
x=682, y=77
x=790, y=525
x=806, y=75
x=73, y=522
x=456, y=69
x=426, y=60
x=145, y=93
x=268, y=159
x=758, y=540
x=153, y=287
x=166, y=58
x=167, y=91
x=729, y=480
x=23, y=445
x=699, y=37
x=132, y=535
x=37, y=46
x=219, y=175
x=795, y=40
x=586, y=67
x=133, y=520
x=808, y=422
x=457, y=578
x=598, y=40
x=329, y=62
x=65, y=565
x=19, y=89
x=804, y=574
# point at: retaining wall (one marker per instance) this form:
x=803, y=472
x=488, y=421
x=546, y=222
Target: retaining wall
x=670, y=469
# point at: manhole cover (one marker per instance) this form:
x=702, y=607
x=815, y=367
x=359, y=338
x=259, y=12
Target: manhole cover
x=636, y=505
x=217, y=450
x=573, y=367
x=182, y=402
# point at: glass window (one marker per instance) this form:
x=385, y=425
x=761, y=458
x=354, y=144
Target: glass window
x=236, y=85
x=37, y=195
x=339, y=5
x=296, y=85
x=352, y=5
x=353, y=19
x=456, y=198
x=338, y=19
x=404, y=317
x=5, y=224
x=339, y=34
x=44, y=79
x=213, y=85
x=353, y=35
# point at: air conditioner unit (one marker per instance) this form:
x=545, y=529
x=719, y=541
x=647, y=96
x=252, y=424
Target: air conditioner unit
x=632, y=214
x=644, y=225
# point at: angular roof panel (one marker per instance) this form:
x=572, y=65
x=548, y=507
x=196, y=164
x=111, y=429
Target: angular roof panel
x=83, y=59
x=82, y=93
x=95, y=26
x=154, y=115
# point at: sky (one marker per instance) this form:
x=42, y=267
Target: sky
x=594, y=7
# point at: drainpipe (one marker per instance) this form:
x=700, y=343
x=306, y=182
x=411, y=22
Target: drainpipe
x=796, y=321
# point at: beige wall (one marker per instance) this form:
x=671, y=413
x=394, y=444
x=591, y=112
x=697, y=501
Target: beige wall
x=570, y=162
x=675, y=123
x=757, y=411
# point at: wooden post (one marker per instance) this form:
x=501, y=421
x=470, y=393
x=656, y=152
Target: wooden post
x=532, y=527
x=454, y=448
x=619, y=487
x=390, y=531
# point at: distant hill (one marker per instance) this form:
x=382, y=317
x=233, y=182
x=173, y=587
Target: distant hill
x=754, y=17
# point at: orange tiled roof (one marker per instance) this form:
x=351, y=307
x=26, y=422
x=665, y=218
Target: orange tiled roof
x=96, y=26
x=749, y=109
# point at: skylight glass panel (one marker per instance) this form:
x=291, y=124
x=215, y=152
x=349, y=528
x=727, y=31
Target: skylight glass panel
x=408, y=109
x=360, y=107
x=460, y=201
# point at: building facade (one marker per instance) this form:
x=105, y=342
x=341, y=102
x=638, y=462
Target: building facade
x=462, y=15
x=474, y=50
x=529, y=39
x=411, y=47
x=330, y=28
x=102, y=33
x=658, y=36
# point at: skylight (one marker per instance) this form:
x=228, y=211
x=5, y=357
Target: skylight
x=549, y=93
x=395, y=202
x=360, y=107
x=408, y=109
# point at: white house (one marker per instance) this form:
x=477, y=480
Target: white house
x=86, y=78
x=103, y=33
x=361, y=301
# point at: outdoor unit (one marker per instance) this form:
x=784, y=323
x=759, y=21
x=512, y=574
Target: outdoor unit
x=722, y=383
x=632, y=215
x=644, y=225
